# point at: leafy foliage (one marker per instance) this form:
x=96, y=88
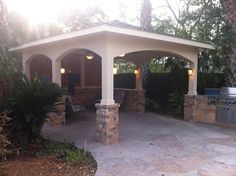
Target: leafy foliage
x=64, y=151
x=177, y=100
x=56, y=149
x=28, y=105
x=201, y=20
x=75, y=156
x=152, y=105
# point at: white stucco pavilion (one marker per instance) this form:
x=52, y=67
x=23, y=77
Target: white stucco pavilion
x=108, y=42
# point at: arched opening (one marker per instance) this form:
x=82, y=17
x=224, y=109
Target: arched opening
x=162, y=83
x=84, y=64
x=40, y=66
x=125, y=76
x=82, y=70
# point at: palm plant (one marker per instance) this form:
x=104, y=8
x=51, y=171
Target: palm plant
x=28, y=105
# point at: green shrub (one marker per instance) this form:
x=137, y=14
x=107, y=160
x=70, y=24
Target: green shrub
x=28, y=105
x=152, y=105
x=177, y=100
x=75, y=156
x=64, y=151
x=57, y=149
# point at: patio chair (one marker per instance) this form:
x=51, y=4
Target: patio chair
x=119, y=96
x=72, y=109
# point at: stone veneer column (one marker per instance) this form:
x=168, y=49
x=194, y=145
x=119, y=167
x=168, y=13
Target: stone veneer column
x=107, y=123
x=189, y=107
x=198, y=109
x=58, y=118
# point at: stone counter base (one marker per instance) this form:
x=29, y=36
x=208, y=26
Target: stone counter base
x=107, y=124
x=134, y=101
x=197, y=108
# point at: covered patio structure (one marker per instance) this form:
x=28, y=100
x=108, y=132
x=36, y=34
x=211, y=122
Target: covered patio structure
x=104, y=43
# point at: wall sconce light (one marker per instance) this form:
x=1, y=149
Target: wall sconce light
x=89, y=57
x=190, y=71
x=136, y=71
x=63, y=70
x=121, y=55
x=115, y=70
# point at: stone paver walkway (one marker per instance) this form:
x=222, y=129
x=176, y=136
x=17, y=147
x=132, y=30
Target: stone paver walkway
x=151, y=145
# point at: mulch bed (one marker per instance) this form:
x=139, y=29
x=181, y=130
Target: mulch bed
x=27, y=164
x=45, y=166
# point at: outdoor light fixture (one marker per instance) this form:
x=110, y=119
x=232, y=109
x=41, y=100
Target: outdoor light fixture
x=136, y=71
x=122, y=55
x=190, y=71
x=114, y=70
x=63, y=71
x=89, y=57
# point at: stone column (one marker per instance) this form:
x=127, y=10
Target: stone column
x=192, y=87
x=82, y=73
x=189, y=107
x=107, y=124
x=107, y=110
x=56, y=72
x=58, y=118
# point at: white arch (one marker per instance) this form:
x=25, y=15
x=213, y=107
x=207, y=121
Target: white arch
x=33, y=56
x=83, y=51
x=140, y=57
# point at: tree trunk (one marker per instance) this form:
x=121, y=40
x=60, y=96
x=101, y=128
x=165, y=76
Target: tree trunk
x=229, y=7
x=145, y=24
x=146, y=15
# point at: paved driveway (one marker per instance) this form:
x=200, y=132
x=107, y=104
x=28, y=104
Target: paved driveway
x=152, y=145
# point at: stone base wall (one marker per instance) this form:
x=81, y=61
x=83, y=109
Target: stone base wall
x=58, y=118
x=107, y=124
x=87, y=97
x=133, y=101
x=197, y=108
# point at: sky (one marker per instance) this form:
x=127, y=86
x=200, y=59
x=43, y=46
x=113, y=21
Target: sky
x=38, y=11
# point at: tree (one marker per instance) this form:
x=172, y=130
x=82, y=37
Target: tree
x=146, y=15
x=3, y=26
x=8, y=65
x=229, y=7
x=76, y=19
x=200, y=20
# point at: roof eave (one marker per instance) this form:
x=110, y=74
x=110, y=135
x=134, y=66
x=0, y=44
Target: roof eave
x=117, y=30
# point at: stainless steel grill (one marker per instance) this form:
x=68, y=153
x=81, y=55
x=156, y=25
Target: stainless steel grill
x=226, y=107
